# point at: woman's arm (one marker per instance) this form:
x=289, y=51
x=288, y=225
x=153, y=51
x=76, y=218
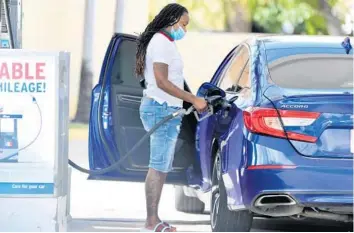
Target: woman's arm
x=161, y=76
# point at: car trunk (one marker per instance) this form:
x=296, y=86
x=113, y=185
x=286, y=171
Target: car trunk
x=312, y=95
x=321, y=126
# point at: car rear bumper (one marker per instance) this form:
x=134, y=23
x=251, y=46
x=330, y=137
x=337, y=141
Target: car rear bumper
x=307, y=184
x=339, y=198
x=272, y=166
x=327, y=189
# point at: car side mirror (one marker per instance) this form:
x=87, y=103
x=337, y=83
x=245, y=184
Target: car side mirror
x=209, y=89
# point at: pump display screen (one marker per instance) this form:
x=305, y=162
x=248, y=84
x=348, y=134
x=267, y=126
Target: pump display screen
x=7, y=125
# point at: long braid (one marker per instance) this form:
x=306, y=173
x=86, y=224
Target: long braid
x=168, y=16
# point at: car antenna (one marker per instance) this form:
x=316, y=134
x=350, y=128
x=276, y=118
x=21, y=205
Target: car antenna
x=346, y=45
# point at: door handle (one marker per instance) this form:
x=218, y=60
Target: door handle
x=129, y=98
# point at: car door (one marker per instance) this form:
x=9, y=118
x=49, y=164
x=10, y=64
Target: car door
x=217, y=126
x=234, y=81
x=115, y=125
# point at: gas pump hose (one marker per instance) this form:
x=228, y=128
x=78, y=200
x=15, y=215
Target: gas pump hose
x=213, y=101
x=137, y=145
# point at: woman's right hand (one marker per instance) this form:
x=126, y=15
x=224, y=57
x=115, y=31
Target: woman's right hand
x=200, y=104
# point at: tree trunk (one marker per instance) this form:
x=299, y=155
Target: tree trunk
x=239, y=19
x=85, y=89
x=333, y=23
x=242, y=21
x=227, y=16
x=86, y=76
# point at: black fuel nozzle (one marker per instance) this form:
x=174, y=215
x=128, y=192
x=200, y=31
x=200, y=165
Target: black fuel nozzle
x=215, y=104
x=226, y=104
x=218, y=102
x=214, y=100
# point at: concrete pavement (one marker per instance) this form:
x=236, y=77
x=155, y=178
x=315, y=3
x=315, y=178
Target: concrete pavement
x=111, y=206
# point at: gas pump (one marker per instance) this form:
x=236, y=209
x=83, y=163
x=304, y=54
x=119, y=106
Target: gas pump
x=9, y=145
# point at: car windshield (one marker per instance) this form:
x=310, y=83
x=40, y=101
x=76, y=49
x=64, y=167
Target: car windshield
x=313, y=71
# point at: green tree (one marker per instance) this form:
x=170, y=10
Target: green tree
x=273, y=16
x=292, y=16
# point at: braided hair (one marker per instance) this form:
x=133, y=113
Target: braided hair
x=168, y=16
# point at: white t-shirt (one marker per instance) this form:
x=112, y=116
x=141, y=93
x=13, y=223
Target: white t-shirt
x=163, y=50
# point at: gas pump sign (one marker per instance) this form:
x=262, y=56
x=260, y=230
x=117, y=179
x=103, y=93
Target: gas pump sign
x=27, y=92
x=30, y=132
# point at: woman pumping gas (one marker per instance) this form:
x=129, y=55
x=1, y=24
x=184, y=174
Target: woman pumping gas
x=159, y=62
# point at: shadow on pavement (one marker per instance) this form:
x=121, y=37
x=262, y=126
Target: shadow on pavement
x=259, y=225
x=129, y=225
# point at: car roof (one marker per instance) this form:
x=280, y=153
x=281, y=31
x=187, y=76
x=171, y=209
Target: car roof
x=284, y=42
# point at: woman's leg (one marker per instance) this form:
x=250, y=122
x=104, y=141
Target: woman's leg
x=162, y=148
x=153, y=187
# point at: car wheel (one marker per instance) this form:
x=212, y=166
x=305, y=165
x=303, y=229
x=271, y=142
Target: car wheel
x=187, y=204
x=221, y=218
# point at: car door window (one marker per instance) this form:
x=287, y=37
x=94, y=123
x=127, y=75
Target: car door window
x=123, y=72
x=244, y=80
x=233, y=72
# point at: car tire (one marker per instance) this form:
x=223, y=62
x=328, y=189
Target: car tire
x=221, y=218
x=187, y=204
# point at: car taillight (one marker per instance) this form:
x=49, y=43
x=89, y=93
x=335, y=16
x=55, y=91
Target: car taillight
x=266, y=121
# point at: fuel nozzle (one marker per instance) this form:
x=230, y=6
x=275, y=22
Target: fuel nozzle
x=215, y=104
x=218, y=102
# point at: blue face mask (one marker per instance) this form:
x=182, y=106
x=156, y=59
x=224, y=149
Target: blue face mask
x=177, y=34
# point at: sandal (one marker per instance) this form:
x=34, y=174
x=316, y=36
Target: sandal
x=172, y=228
x=160, y=227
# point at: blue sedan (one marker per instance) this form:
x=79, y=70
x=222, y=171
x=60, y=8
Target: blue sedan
x=283, y=149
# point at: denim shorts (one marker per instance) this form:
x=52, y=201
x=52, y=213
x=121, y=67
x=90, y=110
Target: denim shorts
x=163, y=140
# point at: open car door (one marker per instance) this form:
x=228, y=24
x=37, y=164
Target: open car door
x=115, y=125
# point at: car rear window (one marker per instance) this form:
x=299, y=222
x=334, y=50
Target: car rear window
x=313, y=71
